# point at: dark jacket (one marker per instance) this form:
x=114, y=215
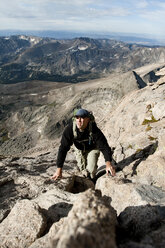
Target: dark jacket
x=83, y=142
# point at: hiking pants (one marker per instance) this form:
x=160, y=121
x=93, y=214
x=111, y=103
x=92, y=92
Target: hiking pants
x=87, y=160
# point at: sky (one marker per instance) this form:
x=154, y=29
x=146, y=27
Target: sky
x=104, y=16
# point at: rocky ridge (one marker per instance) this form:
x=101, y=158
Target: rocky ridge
x=125, y=211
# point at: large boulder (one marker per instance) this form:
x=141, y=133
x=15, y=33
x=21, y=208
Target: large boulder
x=90, y=223
x=24, y=224
x=125, y=193
x=122, y=193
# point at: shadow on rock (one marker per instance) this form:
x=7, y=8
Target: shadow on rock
x=81, y=184
x=138, y=156
x=55, y=213
x=8, y=193
x=136, y=222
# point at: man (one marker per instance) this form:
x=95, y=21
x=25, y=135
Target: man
x=88, y=141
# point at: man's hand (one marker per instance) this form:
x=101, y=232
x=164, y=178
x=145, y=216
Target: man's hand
x=57, y=174
x=110, y=168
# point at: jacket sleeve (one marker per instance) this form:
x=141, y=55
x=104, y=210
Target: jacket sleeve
x=66, y=142
x=102, y=144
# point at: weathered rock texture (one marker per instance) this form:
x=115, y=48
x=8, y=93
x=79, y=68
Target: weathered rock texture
x=23, y=225
x=90, y=223
x=30, y=178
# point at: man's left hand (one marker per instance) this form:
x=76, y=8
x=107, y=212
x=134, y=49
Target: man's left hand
x=110, y=168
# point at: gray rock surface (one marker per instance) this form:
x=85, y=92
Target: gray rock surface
x=89, y=216
x=133, y=121
x=46, y=240
x=24, y=224
x=30, y=178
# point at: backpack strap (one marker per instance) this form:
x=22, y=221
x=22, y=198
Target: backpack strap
x=74, y=129
x=90, y=132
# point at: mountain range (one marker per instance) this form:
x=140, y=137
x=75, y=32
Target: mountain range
x=24, y=58
x=131, y=38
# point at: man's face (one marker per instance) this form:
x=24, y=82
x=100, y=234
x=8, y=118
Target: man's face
x=82, y=122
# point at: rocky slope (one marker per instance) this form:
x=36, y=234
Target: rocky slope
x=32, y=118
x=33, y=114
x=127, y=211
x=24, y=58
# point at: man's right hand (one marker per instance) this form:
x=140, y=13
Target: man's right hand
x=57, y=174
